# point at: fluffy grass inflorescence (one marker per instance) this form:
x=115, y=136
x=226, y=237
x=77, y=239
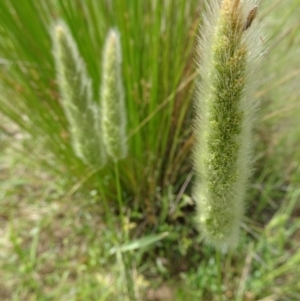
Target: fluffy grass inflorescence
x=77, y=100
x=112, y=98
x=228, y=56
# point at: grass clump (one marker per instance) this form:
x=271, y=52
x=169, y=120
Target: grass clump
x=55, y=238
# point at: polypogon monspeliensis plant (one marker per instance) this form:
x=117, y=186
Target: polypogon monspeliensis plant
x=228, y=58
x=112, y=98
x=75, y=87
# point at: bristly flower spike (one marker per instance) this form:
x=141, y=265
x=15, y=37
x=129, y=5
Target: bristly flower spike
x=229, y=54
x=76, y=98
x=112, y=99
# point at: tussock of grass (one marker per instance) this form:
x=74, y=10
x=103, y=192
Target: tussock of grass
x=55, y=243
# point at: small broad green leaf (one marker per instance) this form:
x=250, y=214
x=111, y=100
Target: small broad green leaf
x=140, y=243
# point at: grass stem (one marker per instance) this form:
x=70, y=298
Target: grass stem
x=126, y=257
x=219, y=267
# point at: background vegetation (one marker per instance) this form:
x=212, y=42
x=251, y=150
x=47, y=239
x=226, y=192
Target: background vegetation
x=61, y=233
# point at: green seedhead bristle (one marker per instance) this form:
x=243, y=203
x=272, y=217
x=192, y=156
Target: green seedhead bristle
x=112, y=99
x=224, y=117
x=76, y=98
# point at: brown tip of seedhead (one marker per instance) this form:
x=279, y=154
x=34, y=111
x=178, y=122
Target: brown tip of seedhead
x=231, y=11
x=230, y=6
x=236, y=4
